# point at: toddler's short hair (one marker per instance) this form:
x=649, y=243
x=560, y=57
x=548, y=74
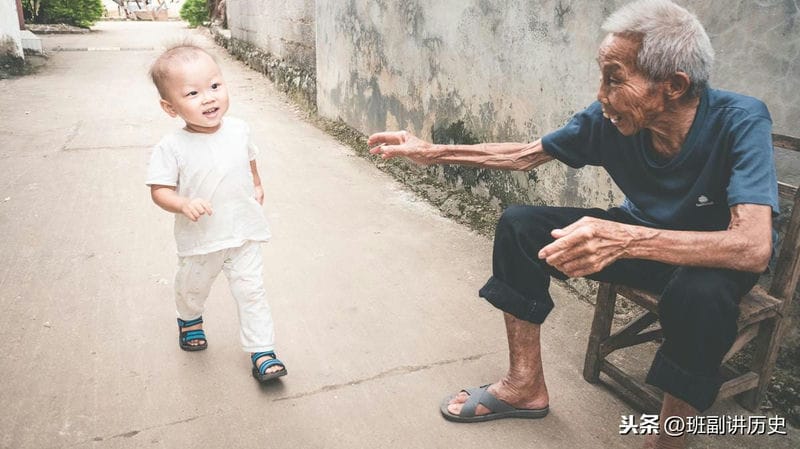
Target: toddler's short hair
x=182, y=51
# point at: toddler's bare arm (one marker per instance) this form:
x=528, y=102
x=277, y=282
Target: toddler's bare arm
x=169, y=200
x=257, y=182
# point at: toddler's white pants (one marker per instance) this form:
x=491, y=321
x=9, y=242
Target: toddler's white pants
x=242, y=267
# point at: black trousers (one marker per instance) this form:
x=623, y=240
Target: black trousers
x=698, y=307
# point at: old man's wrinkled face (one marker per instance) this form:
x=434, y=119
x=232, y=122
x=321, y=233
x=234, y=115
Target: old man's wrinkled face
x=630, y=101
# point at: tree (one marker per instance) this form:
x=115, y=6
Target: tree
x=30, y=9
x=195, y=12
x=83, y=13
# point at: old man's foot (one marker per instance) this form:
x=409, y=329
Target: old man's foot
x=490, y=402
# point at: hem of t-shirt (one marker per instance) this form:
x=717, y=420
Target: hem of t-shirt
x=150, y=182
x=550, y=149
x=636, y=219
x=219, y=246
x=764, y=201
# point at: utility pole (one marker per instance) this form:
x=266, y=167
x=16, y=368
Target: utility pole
x=20, y=15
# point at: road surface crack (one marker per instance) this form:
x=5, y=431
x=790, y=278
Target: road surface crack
x=133, y=433
x=397, y=371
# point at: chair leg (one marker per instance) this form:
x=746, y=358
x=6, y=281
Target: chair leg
x=765, y=352
x=601, y=329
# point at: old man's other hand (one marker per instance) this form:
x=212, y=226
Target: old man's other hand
x=390, y=144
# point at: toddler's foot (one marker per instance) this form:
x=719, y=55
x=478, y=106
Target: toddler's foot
x=266, y=366
x=191, y=336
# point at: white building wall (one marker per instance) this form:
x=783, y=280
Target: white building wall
x=10, y=37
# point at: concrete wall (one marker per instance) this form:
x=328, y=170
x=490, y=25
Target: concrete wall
x=456, y=70
x=479, y=70
x=283, y=28
x=276, y=38
x=10, y=38
x=758, y=53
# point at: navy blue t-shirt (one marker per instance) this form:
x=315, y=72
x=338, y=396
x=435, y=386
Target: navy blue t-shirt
x=727, y=159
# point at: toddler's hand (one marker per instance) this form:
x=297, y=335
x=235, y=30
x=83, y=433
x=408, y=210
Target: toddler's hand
x=195, y=207
x=259, y=194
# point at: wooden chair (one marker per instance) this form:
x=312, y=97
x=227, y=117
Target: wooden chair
x=762, y=320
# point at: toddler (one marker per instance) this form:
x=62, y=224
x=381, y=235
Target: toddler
x=205, y=173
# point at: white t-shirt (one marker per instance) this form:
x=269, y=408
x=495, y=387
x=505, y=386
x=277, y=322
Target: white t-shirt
x=215, y=167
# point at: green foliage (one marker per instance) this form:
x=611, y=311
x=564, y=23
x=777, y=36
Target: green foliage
x=30, y=9
x=195, y=12
x=82, y=13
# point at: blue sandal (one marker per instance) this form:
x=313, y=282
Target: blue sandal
x=184, y=337
x=260, y=372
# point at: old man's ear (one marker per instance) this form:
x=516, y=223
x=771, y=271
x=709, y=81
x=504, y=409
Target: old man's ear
x=677, y=85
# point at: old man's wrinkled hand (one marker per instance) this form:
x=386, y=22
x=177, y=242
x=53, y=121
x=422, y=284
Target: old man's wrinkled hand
x=391, y=144
x=587, y=246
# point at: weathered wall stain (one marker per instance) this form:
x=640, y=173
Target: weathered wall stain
x=11, y=64
x=8, y=47
x=562, y=10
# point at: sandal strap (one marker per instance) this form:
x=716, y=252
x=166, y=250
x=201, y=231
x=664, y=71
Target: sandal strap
x=196, y=334
x=482, y=396
x=193, y=322
x=258, y=355
x=266, y=364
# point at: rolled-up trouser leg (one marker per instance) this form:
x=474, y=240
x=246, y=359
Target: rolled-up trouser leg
x=698, y=311
x=520, y=280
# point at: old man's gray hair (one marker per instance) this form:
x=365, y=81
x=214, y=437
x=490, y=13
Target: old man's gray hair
x=673, y=40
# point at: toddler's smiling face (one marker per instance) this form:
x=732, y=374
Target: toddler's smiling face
x=196, y=92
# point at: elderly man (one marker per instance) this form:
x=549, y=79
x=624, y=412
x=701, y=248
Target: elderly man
x=697, y=171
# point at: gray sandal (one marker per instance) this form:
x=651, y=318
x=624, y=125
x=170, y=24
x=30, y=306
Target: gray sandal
x=499, y=408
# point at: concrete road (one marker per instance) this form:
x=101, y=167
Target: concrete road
x=374, y=294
